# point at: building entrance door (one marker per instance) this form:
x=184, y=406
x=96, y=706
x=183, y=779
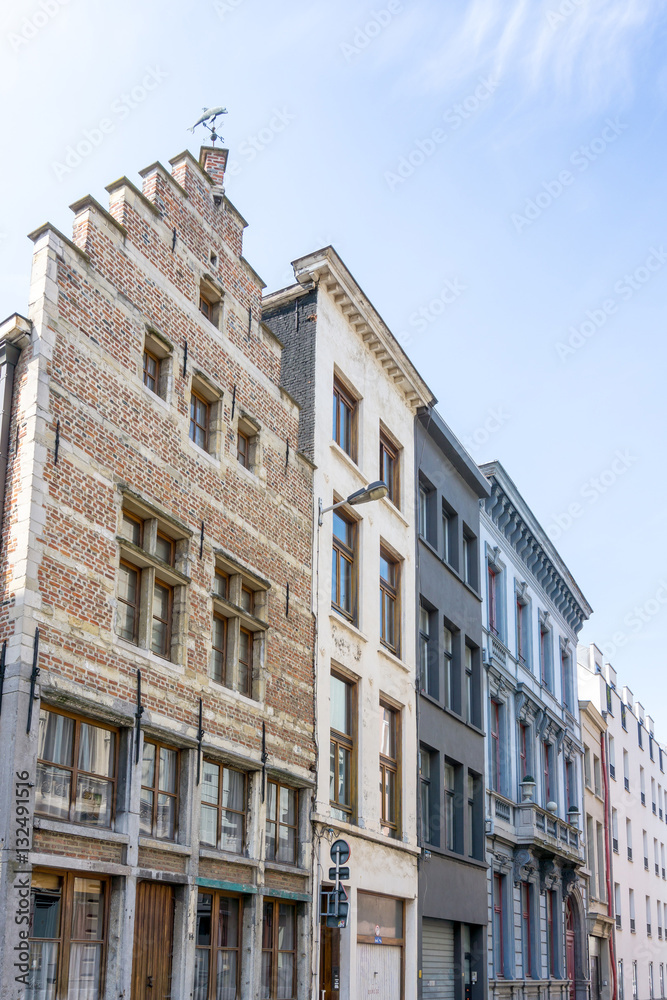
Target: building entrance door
x=595, y=977
x=569, y=947
x=329, y=963
x=153, y=940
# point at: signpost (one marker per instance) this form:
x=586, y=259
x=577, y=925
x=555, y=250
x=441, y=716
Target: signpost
x=337, y=902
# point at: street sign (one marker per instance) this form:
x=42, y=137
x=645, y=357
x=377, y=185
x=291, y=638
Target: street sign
x=342, y=874
x=340, y=852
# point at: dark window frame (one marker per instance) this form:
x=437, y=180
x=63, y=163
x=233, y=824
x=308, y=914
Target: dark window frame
x=157, y=791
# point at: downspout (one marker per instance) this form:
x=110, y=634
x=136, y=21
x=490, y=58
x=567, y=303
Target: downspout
x=610, y=905
x=14, y=336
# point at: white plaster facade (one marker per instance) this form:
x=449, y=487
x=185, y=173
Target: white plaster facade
x=353, y=344
x=534, y=842
x=638, y=802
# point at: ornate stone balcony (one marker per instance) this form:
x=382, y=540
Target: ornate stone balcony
x=527, y=823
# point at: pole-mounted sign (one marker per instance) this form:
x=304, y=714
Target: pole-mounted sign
x=337, y=904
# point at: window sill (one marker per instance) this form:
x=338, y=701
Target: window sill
x=349, y=461
x=155, y=398
x=448, y=566
x=169, y=846
x=356, y=830
x=148, y=654
x=214, y=855
x=396, y=511
x=443, y=852
x=249, y=474
x=236, y=695
x=396, y=660
x=340, y=620
x=212, y=459
x=283, y=866
x=79, y=830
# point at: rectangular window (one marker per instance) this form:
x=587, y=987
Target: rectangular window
x=475, y=817
x=547, y=785
x=161, y=631
x=469, y=558
x=628, y=837
x=495, y=746
x=389, y=459
x=634, y=980
x=617, y=905
x=526, y=928
x=389, y=602
x=156, y=364
x=239, y=627
x=344, y=419
x=451, y=699
x=624, y=717
x=428, y=659
x=567, y=680
x=223, y=807
x=545, y=657
x=602, y=887
x=587, y=767
x=245, y=662
x=76, y=769
x=159, y=791
x=552, y=932
x=219, y=642
x=492, y=578
x=471, y=712
x=199, y=420
x=151, y=371
x=498, y=930
x=127, y=623
x=68, y=935
x=218, y=949
x=612, y=758
x=343, y=570
x=281, y=823
x=597, y=776
x=243, y=449
x=450, y=542
x=522, y=632
x=451, y=831
x=341, y=751
x=425, y=793
x=278, y=951
x=389, y=790
x=524, y=751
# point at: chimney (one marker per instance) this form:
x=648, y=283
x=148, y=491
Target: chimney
x=214, y=160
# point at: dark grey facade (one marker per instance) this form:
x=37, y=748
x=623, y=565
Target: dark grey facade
x=452, y=869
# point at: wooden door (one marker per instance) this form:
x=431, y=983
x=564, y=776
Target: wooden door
x=569, y=947
x=329, y=963
x=153, y=941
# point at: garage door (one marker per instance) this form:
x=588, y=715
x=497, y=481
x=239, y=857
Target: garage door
x=378, y=972
x=438, y=974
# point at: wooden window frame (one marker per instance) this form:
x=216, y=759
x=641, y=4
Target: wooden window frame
x=220, y=650
x=137, y=607
x=390, y=592
x=205, y=306
x=156, y=790
x=389, y=452
x=64, y=940
x=274, y=949
x=343, y=551
x=172, y=546
x=346, y=741
x=74, y=770
x=196, y=397
x=219, y=806
x=290, y=826
x=213, y=948
x=147, y=376
x=343, y=397
x=247, y=664
x=165, y=654
x=243, y=453
x=390, y=765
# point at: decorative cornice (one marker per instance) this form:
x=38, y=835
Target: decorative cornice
x=325, y=268
x=525, y=866
x=516, y=522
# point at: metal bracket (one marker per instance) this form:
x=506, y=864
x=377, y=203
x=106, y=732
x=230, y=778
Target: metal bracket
x=137, y=715
x=33, y=680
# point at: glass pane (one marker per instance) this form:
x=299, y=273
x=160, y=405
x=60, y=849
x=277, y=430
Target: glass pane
x=96, y=750
x=126, y=622
x=211, y=777
x=288, y=806
x=208, y=825
x=164, y=549
x=344, y=427
x=56, y=738
x=225, y=987
x=218, y=666
x=390, y=796
x=204, y=911
x=168, y=765
x=228, y=924
x=425, y=764
x=449, y=777
x=344, y=796
x=161, y=597
x=128, y=580
x=220, y=584
x=381, y=911
x=271, y=841
x=232, y=789
x=200, y=991
x=166, y=816
x=345, y=570
x=52, y=795
x=160, y=637
x=246, y=599
x=341, y=528
x=387, y=570
x=146, y=812
x=88, y=910
x=231, y=838
x=271, y=800
x=45, y=914
x=267, y=926
x=424, y=621
x=131, y=529
x=43, y=970
x=388, y=608
x=93, y=801
x=287, y=845
x=388, y=733
x=447, y=640
x=266, y=973
x=148, y=765
x=340, y=720
x=285, y=977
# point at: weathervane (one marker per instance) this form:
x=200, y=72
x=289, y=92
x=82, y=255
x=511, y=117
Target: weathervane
x=208, y=121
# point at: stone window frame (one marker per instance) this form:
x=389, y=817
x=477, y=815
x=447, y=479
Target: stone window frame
x=211, y=293
x=162, y=351
x=230, y=606
x=203, y=388
x=143, y=558
x=249, y=428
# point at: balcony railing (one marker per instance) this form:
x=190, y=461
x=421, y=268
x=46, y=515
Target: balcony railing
x=618, y=921
x=632, y=925
x=612, y=771
x=626, y=784
x=531, y=822
x=645, y=864
x=614, y=844
x=643, y=798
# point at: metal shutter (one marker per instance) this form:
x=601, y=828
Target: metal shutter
x=379, y=972
x=437, y=959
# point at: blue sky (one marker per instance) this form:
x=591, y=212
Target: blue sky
x=492, y=172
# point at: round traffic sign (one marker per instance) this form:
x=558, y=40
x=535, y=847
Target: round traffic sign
x=340, y=852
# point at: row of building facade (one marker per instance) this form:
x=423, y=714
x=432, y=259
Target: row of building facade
x=217, y=659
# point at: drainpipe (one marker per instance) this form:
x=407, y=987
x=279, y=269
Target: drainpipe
x=14, y=336
x=610, y=902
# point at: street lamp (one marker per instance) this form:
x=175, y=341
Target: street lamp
x=374, y=491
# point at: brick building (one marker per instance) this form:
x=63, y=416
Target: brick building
x=157, y=527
